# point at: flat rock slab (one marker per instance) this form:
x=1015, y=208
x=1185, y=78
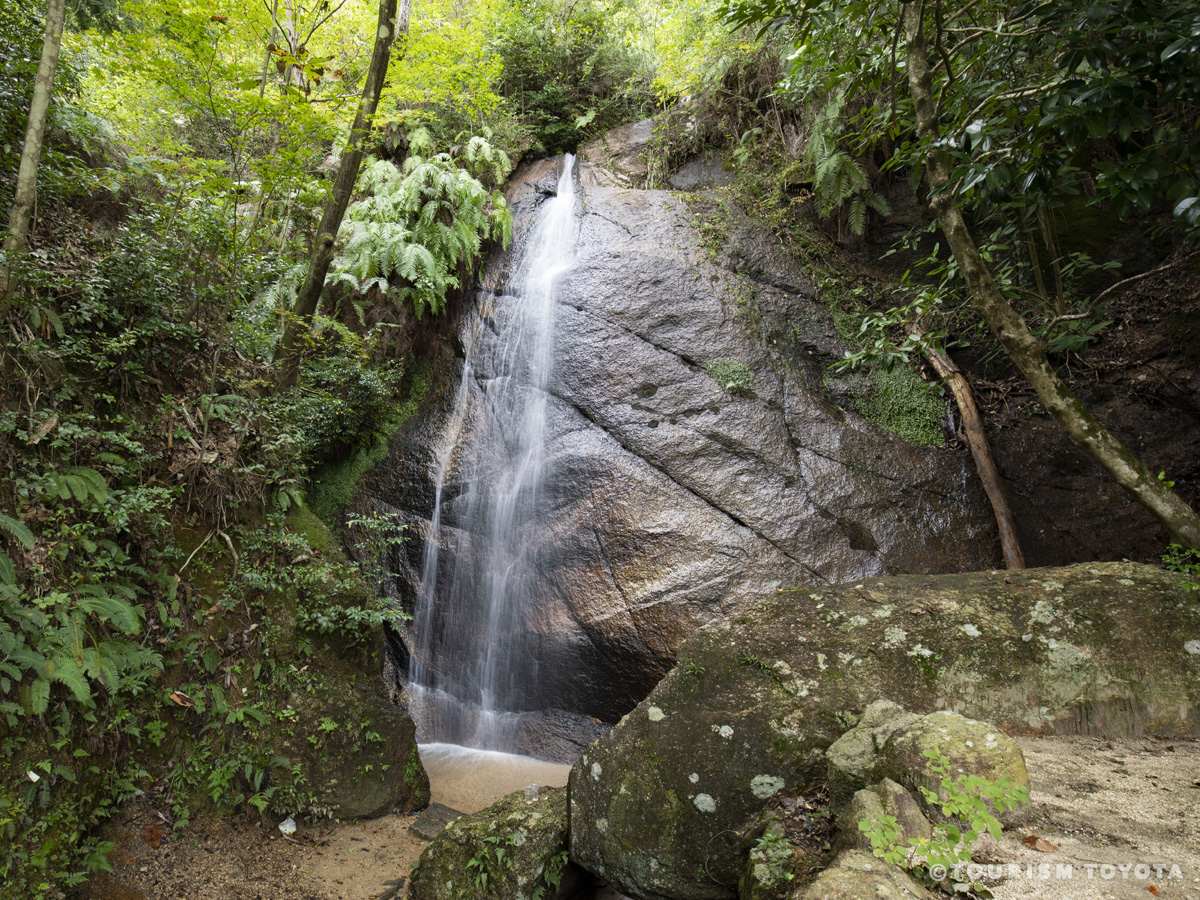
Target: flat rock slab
x=658, y=804
x=431, y=822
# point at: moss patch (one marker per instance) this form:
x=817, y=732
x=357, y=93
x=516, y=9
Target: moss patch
x=900, y=402
x=333, y=485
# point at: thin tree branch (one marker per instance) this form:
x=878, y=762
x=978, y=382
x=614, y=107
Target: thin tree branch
x=1125, y=282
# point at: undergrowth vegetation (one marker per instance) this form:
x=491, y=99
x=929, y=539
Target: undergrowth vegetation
x=156, y=606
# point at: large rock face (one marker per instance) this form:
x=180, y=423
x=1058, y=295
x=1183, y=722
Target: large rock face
x=674, y=497
x=659, y=805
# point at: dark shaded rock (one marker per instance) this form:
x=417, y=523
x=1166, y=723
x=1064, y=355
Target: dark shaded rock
x=509, y=850
x=433, y=820
x=659, y=805
x=672, y=501
x=367, y=763
x=857, y=874
x=701, y=172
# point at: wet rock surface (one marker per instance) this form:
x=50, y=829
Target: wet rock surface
x=658, y=804
x=674, y=498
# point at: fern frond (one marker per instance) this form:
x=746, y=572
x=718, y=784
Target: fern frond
x=36, y=697
x=18, y=530
x=70, y=673
x=117, y=611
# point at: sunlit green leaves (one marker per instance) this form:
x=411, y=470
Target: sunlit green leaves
x=418, y=232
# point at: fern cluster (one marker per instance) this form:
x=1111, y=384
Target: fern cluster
x=839, y=180
x=418, y=232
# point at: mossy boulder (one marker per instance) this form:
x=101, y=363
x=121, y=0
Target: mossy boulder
x=356, y=749
x=660, y=805
x=901, y=747
x=515, y=849
x=874, y=803
x=857, y=874
x=968, y=746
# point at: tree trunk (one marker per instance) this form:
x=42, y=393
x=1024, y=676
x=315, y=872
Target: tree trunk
x=391, y=23
x=981, y=452
x=1026, y=352
x=35, y=133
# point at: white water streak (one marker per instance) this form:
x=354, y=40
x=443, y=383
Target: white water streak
x=475, y=658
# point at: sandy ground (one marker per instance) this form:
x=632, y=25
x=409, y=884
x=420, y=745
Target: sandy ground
x=349, y=861
x=1103, y=805
x=1107, y=805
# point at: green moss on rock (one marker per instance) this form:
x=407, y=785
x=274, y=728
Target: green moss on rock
x=515, y=849
x=857, y=874
x=1100, y=648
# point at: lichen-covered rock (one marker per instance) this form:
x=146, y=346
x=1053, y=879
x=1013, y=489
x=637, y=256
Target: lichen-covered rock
x=968, y=746
x=661, y=804
x=899, y=749
x=852, y=756
x=509, y=850
x=856, y=875
x=871, y=804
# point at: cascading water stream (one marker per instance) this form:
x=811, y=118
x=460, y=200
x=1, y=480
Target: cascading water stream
x=475, y=655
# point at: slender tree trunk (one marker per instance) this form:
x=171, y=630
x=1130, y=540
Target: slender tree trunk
x=1026, y=352
x=35, y=133
x=391, y=23
x=981, y=452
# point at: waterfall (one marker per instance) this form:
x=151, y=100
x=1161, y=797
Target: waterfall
x=475, y=655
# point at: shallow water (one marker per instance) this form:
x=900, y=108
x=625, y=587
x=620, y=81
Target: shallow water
x=467, y=779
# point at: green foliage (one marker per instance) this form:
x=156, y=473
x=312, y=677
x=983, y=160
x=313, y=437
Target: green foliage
x=1179, y=559
x=770, y=856
x=878, y=347
x=130, y=420
x=21, y=33
x=419, y=233
x=339, y=402
x=839, y=180
x=968, y=802
x=495, y=847
x=1042, y=108
x=733, y=375
x=567, y=72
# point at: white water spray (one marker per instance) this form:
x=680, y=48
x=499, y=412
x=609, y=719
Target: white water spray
x=475, y=656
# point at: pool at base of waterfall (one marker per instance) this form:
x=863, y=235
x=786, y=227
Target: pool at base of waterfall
x=468, y=780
